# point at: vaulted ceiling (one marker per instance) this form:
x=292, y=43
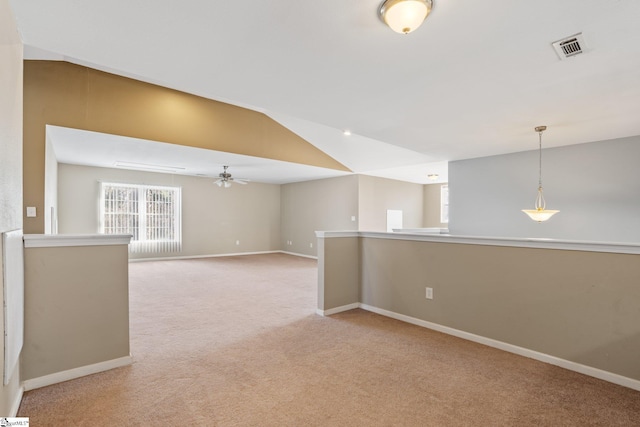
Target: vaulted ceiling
x=473, y=81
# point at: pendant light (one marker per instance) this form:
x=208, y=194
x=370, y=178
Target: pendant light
x=404, y=16
x=540, y=214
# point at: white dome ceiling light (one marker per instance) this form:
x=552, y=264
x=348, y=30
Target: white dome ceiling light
x=404, y=16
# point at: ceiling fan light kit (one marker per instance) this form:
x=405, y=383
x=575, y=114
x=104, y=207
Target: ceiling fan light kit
x=225, y=179
x=404, y=16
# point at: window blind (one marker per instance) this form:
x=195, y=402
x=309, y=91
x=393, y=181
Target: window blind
x=151, y=214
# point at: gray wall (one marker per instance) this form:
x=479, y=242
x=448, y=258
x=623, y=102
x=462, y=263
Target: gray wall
x=596, y=187
x=578, y=306
x=377, y=195
x=338, y=272
x=76, y=308
x=263, y=217
x=320, y=205
x=213, y=218
x=432, y=202
x=575, y=305
x=330, y=204
x=10, y=161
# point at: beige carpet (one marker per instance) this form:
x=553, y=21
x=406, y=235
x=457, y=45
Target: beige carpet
x=235, y=342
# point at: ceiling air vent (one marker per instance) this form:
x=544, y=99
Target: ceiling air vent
x=569, y=46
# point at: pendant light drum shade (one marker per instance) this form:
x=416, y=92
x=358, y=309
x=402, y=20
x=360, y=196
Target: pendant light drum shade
x=404, y=16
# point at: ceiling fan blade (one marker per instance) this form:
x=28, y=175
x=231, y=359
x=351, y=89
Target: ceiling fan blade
x=240, y=181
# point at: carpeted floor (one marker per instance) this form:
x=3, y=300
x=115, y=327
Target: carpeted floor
x=235, y=342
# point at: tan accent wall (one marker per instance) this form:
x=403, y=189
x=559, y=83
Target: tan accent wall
x=377, y=195
x=575, y=305
x=213, y=218
x=76, y=308
x=10, y=163
x=64, y=94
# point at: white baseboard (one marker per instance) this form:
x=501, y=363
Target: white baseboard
x=338, y=309
x=297, y=254
x=13, y=412
x=542, y=357
x=169, y=258
x=72, y=374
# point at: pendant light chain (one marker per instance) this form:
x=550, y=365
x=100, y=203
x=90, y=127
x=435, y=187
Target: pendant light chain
x=541, y=204
x=540, y=160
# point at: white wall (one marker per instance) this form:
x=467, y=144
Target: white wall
x=213, y=218
x=596, y=187
x=10, y=163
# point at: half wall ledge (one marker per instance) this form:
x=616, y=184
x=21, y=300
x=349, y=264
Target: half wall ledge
x=540, y=243
x=60, y=240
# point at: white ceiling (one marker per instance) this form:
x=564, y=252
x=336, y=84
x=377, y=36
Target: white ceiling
x=473, y=81
x=80, y=147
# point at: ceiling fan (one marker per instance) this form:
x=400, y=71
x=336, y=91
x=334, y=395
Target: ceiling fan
x=225, y=179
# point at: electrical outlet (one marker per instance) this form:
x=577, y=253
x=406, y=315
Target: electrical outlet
x=237, y=242
x=429, y=293
x=310, y=245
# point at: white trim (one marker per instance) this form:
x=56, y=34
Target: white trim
x=300, y=255
x=59, y=240
x=13, y=411
x=328, y=234
x=217, y=256
x=552, y=360
x=570, y=245
x=340, y=309
x=72, y=374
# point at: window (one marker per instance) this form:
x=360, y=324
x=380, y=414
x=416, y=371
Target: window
x=444, y=204
x=152, y=214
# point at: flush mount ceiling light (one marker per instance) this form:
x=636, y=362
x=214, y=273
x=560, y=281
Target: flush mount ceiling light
x=540, y=213
x=404, y=16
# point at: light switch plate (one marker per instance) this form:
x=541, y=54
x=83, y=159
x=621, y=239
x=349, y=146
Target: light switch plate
x=31, y=211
